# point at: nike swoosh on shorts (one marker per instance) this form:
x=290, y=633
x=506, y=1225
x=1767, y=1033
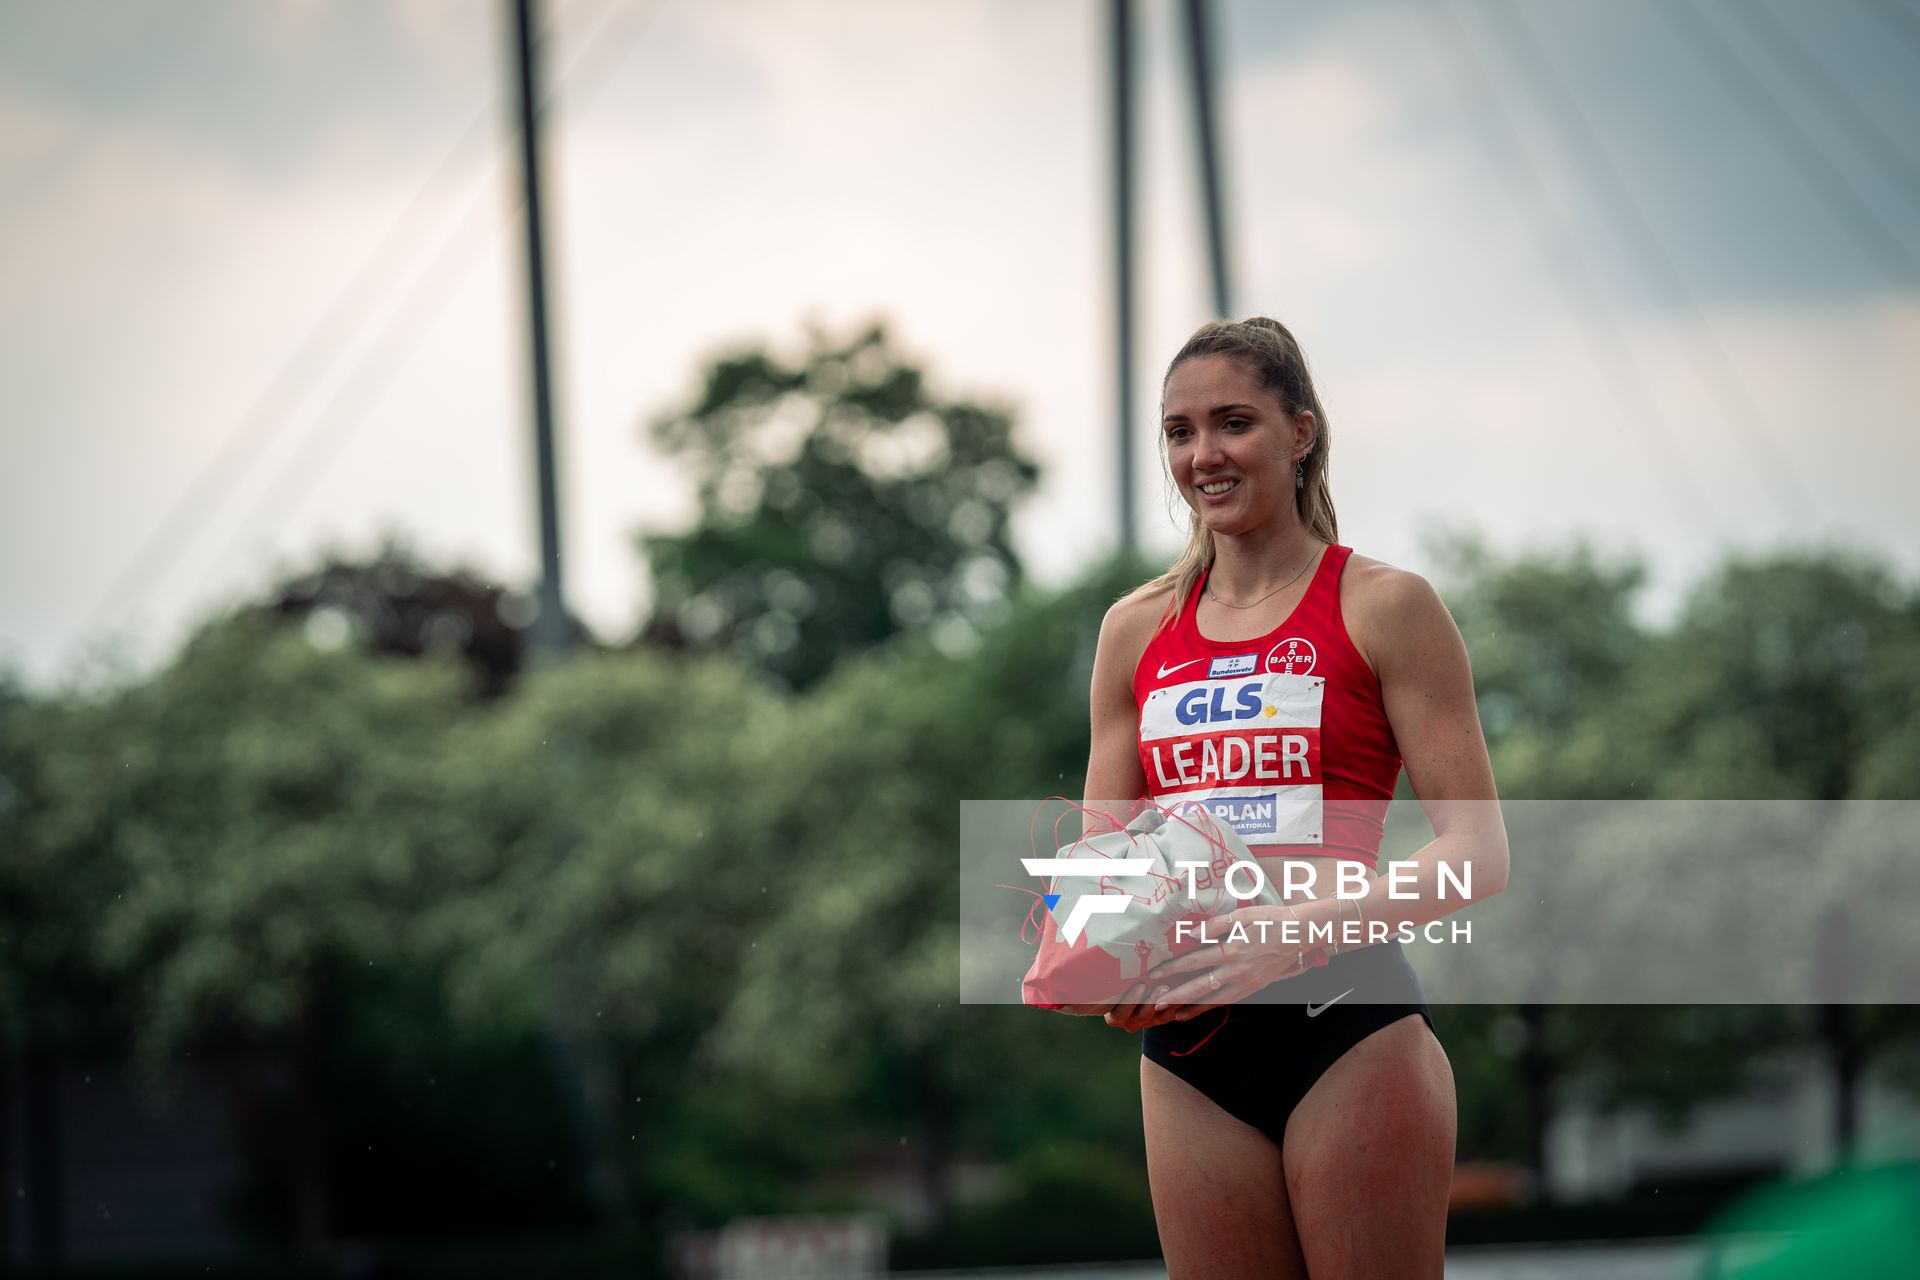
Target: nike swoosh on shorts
x=1314, y=1013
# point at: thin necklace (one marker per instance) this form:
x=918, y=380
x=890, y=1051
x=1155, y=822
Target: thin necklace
x=1276, y=591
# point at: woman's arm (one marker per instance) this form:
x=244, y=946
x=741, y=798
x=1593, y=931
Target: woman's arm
x=1115, y=780
x=1426, y=683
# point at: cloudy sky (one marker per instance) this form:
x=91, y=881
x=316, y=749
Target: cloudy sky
x=1643, y=274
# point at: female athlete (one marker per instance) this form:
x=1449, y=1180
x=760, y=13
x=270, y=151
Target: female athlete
x=1279, y=680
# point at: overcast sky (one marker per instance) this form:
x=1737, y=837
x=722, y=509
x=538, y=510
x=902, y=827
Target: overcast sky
x=1644, y=274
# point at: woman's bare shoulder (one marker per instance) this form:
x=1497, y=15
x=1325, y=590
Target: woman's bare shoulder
x=1378, y=600
x=1369, y=579
x=1130, y=624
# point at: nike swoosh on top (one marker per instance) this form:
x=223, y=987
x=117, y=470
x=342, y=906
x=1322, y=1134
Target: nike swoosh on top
x=1314, y=1013
x=1166, y=671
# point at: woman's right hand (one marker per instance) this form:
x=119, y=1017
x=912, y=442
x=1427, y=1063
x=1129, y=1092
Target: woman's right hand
x=1131, y=1010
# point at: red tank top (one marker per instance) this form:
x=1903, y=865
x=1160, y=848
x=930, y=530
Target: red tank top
x=1284, y=736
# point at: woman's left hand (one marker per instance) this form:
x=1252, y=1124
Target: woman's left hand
x=1240, y=966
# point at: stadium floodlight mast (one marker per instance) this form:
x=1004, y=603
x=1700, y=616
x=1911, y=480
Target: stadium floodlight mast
x=1207, y=151
x=550, y=631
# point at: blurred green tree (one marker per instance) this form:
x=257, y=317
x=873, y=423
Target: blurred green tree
x=1552, y=637
x=617, y=841
x=1787, y=676
x=864, y=950
x=236, y=824
x=841, y=502
x=395, y=603
x=1779, y=675
x=57, y=870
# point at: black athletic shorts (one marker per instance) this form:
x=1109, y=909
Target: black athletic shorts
x=1263, y=1057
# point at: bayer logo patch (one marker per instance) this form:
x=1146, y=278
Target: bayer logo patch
x=1292, y=656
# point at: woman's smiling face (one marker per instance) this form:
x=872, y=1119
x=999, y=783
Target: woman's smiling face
x=1225, y=432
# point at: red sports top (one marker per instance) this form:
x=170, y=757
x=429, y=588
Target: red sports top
x=1285, y=736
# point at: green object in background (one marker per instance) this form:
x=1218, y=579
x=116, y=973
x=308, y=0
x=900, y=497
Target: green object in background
x=1858, y=1223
